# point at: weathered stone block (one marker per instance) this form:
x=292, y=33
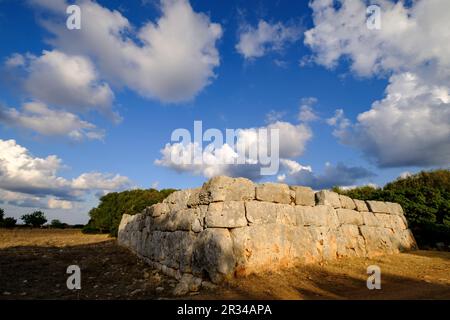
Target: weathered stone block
x=228, y=214
x=361, y=205
x=318, y=216
x=180, y=198
x=347, y=202
x=213, y=254
x=370, y=219
x=328, y=198
x=378, y=206
x=325, y=243
x=223, y=188
x=394, y=208
x=378, y=240
x=347, y=216
x=194, y=198
x=349, y=242
x=270, y=246
x=273, y=192
x=391, y=221
x=158, y=209
x=304, y=196
x=190, y=219
x=259, y=212
x=290, y=215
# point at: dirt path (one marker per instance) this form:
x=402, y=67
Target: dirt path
x=33, y=265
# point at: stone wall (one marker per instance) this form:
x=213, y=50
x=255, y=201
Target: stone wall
x=231, y=227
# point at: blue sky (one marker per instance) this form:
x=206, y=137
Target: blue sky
x=85, y=112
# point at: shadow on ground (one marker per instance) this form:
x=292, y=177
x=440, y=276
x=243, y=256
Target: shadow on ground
x=111, y=272
x=107, y=272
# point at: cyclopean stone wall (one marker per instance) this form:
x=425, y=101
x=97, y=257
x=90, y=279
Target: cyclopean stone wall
x=233, y=227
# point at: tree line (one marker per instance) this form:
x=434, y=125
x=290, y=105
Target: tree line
x=35, y=219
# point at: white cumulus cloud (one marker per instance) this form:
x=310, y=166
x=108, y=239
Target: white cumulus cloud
x=255, y=42
x=26, y=180
x=223, y=159
x=39, y=118
x=171, y=59
x=410, y=126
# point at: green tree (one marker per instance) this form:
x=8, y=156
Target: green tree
x=8, y=222
x=56, y=224
x=107, y=215
x=2, y=214
x=35, y=219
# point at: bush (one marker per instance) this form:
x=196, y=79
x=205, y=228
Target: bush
x=8, y=222
x=35, y=219
x=56, y=224
x=105, y=218
x=89, y=229
x=425, y=198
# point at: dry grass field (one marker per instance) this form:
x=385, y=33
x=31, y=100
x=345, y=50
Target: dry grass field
x=33, y=265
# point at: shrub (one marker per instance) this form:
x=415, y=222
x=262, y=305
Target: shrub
x=89, y=229
x=35, y=219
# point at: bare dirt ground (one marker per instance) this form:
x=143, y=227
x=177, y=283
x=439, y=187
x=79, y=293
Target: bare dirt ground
x=33, y=265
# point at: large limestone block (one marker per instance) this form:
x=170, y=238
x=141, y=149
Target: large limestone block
x=194, y=198
x=124, y=222
x=370, y=219
x=391, y=221
x=347, y=202
x=270, y=246
x=273, y=192
x=290, y=215
x=349, y=242
x=404, y=240
x=123, y=236
x=347, y=216
x=304, y=196
x=213, y=254
x=378, y=240
x=158, y=209
x=228, y=214
x=178, y=200
x=394, y=208
x=185, y=246
x=178, y=250
x=259, y=212
x=328, y=198
x=136, y=222
x=320, y=215
x=325, y=243
x=189, y=219
x=361, y=205
x=224, y=188
x=378, y=206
